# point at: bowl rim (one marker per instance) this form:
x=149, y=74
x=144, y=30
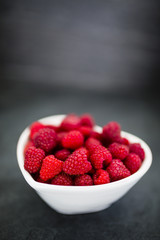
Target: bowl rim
x=50, y=187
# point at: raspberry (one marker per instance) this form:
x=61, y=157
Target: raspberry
x=51, y=166
x=62, y=154
x=111, y=131
x=101, y=177
x=34, y=128
x=137, y=149
x=40, y=180
x=118, y=150
x=60, y=136
x=28, y=144
x=83, y=180
x=83, y=150
x=96, y=135
x=85, y=130
x=37, y=178
x=87, y=120
x=123, y=141
x=117, y=170
x=70, y=122
x=92, y=171
x=55, y=128
x=33, y=159
x=45, y=139
x=91, y=144
x=100, y=155
x=77, y=163
x=73, y=140
x=62, y=179
x=133, y=162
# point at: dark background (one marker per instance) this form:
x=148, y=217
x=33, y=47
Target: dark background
x=100, y=57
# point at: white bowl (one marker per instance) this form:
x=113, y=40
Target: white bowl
x=82, y=199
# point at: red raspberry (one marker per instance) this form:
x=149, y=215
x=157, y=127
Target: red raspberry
x=100, y=155
x=70, y=122
x=28, y=144
x=83, y=150
x=133, y=162
x=33, y=159
x=87, y=120
x=62, y=179
x=117, y=170
x=34, y=128
x=83, y=180
x=62, y=154
x=51, y=166
x=60, y=136
x=101, y=177
x=37, y=178
x=40, y=180
x=91, y=144
x=45, y=139
x=85, y=130
x=137, y=149
x=124, y=141
x=73, y=140
x=111, y=131
x=55, y=128
x=121, y=140
x=118, y=150
x=96, y=135
x=77, y=163
x=92, y=171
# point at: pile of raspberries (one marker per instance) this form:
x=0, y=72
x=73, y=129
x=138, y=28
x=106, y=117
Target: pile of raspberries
x=74, y=154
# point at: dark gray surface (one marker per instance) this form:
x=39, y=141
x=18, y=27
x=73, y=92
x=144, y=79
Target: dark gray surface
x=23, y=215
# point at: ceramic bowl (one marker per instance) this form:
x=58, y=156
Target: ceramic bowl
x=82, y=199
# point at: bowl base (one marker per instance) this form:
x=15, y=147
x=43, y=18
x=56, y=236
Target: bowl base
x=74, y=212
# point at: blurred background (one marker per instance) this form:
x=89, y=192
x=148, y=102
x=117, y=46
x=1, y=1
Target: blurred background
x=104, y=45
x=101, y=57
